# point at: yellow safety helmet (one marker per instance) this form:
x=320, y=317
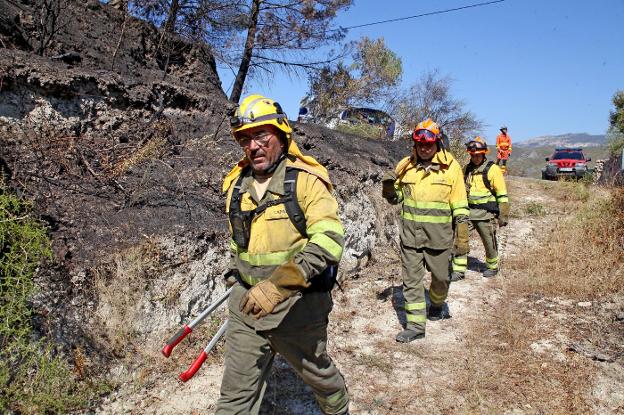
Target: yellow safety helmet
x=426, y=131
x=477, y=146
x=257, y=110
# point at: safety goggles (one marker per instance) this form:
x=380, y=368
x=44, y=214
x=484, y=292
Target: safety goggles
x=424, y=136
x=261, y=138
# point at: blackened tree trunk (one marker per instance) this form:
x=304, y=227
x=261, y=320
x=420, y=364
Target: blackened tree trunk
x=243, y=69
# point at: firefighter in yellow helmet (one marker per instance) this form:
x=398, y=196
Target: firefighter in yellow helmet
x=430, y=188
x=488, y=203
x=286, y=243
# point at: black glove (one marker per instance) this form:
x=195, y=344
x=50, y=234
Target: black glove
x=231, y=277
x=387, y=186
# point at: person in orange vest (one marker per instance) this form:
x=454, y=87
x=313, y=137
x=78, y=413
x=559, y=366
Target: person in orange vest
x=503, y=147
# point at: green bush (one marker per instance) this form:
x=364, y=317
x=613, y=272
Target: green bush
x=363, y=129
x=33, y=378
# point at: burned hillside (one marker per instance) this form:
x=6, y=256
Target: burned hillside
x=124, y=161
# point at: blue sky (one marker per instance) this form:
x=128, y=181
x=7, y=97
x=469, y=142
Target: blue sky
x=540, y=67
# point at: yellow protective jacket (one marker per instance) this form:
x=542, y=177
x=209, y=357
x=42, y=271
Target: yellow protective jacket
x=274, y=240
x=481, y=201
x=431, y=199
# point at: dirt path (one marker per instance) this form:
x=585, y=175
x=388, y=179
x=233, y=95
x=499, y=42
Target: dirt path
x=440, y=374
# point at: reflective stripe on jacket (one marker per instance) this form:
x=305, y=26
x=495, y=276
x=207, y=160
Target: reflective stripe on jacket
x=431, y=200
x=274, y=240
x=480, y=199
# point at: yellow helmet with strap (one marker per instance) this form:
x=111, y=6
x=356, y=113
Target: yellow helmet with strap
x=256, y=110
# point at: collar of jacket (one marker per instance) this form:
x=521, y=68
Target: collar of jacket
x=276, y=185
x=477, y=169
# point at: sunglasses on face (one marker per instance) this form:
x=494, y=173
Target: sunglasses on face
x=424, y=135
x=261, y=138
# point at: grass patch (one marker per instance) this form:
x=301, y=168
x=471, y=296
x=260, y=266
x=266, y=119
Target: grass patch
x=365, y=130
x=534, y=209
x=583, y=257
x=34, y=377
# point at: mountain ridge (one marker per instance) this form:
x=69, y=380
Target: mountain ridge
x=565, y=140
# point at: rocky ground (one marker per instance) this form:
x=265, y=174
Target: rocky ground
x=459, y=367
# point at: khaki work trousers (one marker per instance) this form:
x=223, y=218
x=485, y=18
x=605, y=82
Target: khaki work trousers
x=301, y=339
x=487, y=232
x=414, y=261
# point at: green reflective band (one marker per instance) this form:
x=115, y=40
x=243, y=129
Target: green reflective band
x=233, y=246
x=459, y=267
x=477, y=194
x=328, y=244
x=334, y=402
x=426, y=218
x=501, y=194
x=491, y=260
x=460, y=260
x=421, y=318
x=273, y=258
x=415, y=306
x=250, y=280
x=461, y=211
x=502, y=199
x=436, y=298
x=461, y=204
x=324, y=226
x=482, y=201
x=425, y=205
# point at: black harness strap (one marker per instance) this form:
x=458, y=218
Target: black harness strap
x=296, y=215
x=290, y=201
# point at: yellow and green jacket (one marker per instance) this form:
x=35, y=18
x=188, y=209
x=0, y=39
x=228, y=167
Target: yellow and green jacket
x=431, y=200
x=481, y=201
x=274, y=240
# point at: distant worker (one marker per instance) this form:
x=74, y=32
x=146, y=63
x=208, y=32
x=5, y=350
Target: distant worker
x=487, y=199
x=503, y=147
x=430, y=188
x=286, y=242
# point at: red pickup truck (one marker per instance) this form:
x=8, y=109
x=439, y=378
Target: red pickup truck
x=566, y=162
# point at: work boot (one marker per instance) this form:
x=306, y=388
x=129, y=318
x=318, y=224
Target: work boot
x=489, y=273
x=409, y=335
x=457, y=276
x=440, y=312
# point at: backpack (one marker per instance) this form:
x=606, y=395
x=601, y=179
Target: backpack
x=241, y=222
x=491, y=207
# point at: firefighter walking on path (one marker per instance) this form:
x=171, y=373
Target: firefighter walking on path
x=430, y=188
x=489, y=206
x=286, y=241
x=503, y=148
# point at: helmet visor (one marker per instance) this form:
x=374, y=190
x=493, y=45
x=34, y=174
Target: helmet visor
x=425, y=136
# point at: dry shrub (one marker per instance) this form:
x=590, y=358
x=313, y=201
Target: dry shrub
x=582, y=257
x=502, y=373
x=153, y=148
x=120, y=285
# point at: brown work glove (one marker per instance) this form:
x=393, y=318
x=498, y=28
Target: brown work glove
x=262, y=298
x=387, y=187
x=503, y=214
x=462, y=237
